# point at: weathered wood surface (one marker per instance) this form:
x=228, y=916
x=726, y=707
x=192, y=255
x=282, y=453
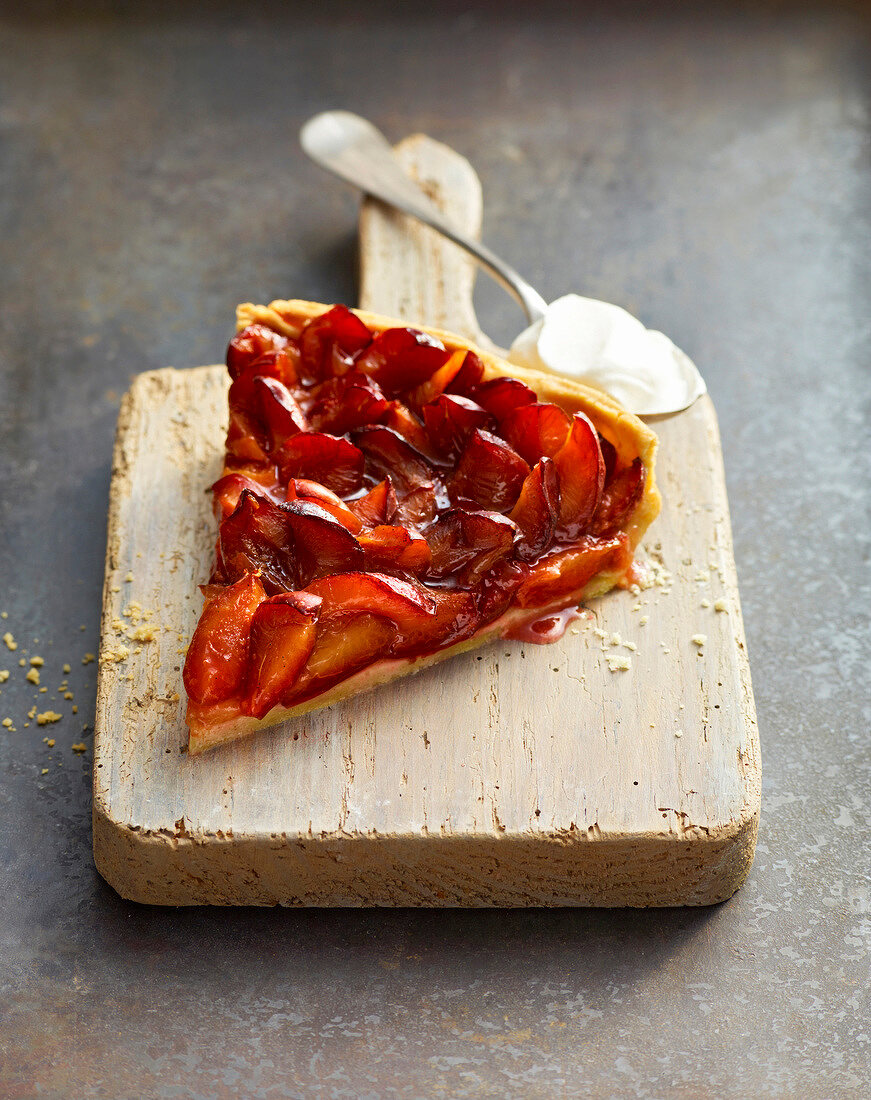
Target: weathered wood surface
x=519, y=775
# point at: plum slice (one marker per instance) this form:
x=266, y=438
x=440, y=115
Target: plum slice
x=468, y=544
x=346, y=643
x=267, y=407
x=251, y=344
x=581, y=469
x=490, y=473
x=217, y=657
x=411, y=475
x=401, y=601
x=468, y=376
x=403, y=421
x=389, y=547
x=620, y=498
x=402, y=358
x=536, y=431
x=536, y=510
x=562, y=575
x=321, y=545
x=450, y=419
x=282, y=638
x=315, y=493
x=256, y=536
x=439, y=381
x=331, y=460
x=330, y=342
x=501, y=396
x=454, y=618
x=346, y=402
x=376, y=507
x=228, y=489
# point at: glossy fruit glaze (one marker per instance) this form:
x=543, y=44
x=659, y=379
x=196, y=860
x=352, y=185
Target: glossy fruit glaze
x=382, y=498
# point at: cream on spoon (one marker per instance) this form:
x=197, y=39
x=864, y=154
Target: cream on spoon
x=604, y=346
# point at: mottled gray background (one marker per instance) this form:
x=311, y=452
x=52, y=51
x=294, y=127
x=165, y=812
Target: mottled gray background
x=709, y=171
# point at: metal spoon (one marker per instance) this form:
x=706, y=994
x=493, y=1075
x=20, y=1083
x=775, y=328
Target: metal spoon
x=355, y=151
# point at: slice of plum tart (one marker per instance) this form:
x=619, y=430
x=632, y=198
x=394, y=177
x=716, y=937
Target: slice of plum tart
x=392, y=496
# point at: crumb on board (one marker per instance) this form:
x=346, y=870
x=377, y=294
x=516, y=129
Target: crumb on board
x=43, y=771
x=37, y=662
x=47, y=717
x=720, y=605
x=33, y=676
x=617, y=662
x=79, y=747
x=4, y=675
x=699, y=639
x=10, y=641
x=7, y=722
x=68, y=695
x=88, y=658
x=67, y=669
x=22, y=663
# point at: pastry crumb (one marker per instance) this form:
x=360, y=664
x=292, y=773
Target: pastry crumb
x=43, y=771
x=7, y=722
x=75, y=709
x=79, y=747
x=705, y=603
x=644, y=620
x=618, y=663
x=68, y=695
x=678, y=733
x=4, y=614
x=720, y=605
x=4, y=675
x=615, y=639
x=88, y=658
x=699, y=639
x=32, y=712
x=630, y=646
x=10, y=641
x=47, y=717
x=22, y=663
x=33, y=676
x=67, y=668
x=128, y=578
x=37, y=662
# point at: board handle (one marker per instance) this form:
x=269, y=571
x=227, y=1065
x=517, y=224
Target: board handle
x=408, y=270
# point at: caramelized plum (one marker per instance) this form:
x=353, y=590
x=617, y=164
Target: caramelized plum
x=347, y=402
x=389, y=547
x=620, y=497
x=249, y=345
x=387, y=452
x=402, y=601
x=282, y=638
x=450, y=419
x=581, y=470
x=454, y=618
x=536, y=510
x=468, y=376
x=563, y=575
x=321, y=544
x=228, y=489
x=245, y=440
x=536, y=431
x=501, y=396
x=468, y=544
x=315, y=493
x=346, y=642
x=430, y=389
x=266, y=408
x=489, y=473
x=402, y=358
x=377, y=506
x=403, y=421
x=329, y=459
x=256, y=536
x=338, y=330
x=217, y=658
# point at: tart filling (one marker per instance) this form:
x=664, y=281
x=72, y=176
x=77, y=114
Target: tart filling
x=392, y=496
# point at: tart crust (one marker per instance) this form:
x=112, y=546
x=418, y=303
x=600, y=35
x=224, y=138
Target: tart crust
x=630, y=436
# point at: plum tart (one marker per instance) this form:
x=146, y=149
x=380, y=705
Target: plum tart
x=392, y=496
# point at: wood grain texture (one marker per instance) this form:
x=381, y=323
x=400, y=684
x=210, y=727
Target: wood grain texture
x=519, y=775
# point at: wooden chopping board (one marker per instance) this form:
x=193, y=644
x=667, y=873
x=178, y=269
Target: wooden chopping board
x=517, y=775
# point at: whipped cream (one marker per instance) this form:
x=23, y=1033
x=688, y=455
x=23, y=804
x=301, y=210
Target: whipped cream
x=604, y=346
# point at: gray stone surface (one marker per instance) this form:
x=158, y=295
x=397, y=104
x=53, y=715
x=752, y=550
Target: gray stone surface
x=709, y=172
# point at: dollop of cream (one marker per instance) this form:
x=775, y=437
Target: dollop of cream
x=604, y=346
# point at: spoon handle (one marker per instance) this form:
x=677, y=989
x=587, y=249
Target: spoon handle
x=352, y=149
